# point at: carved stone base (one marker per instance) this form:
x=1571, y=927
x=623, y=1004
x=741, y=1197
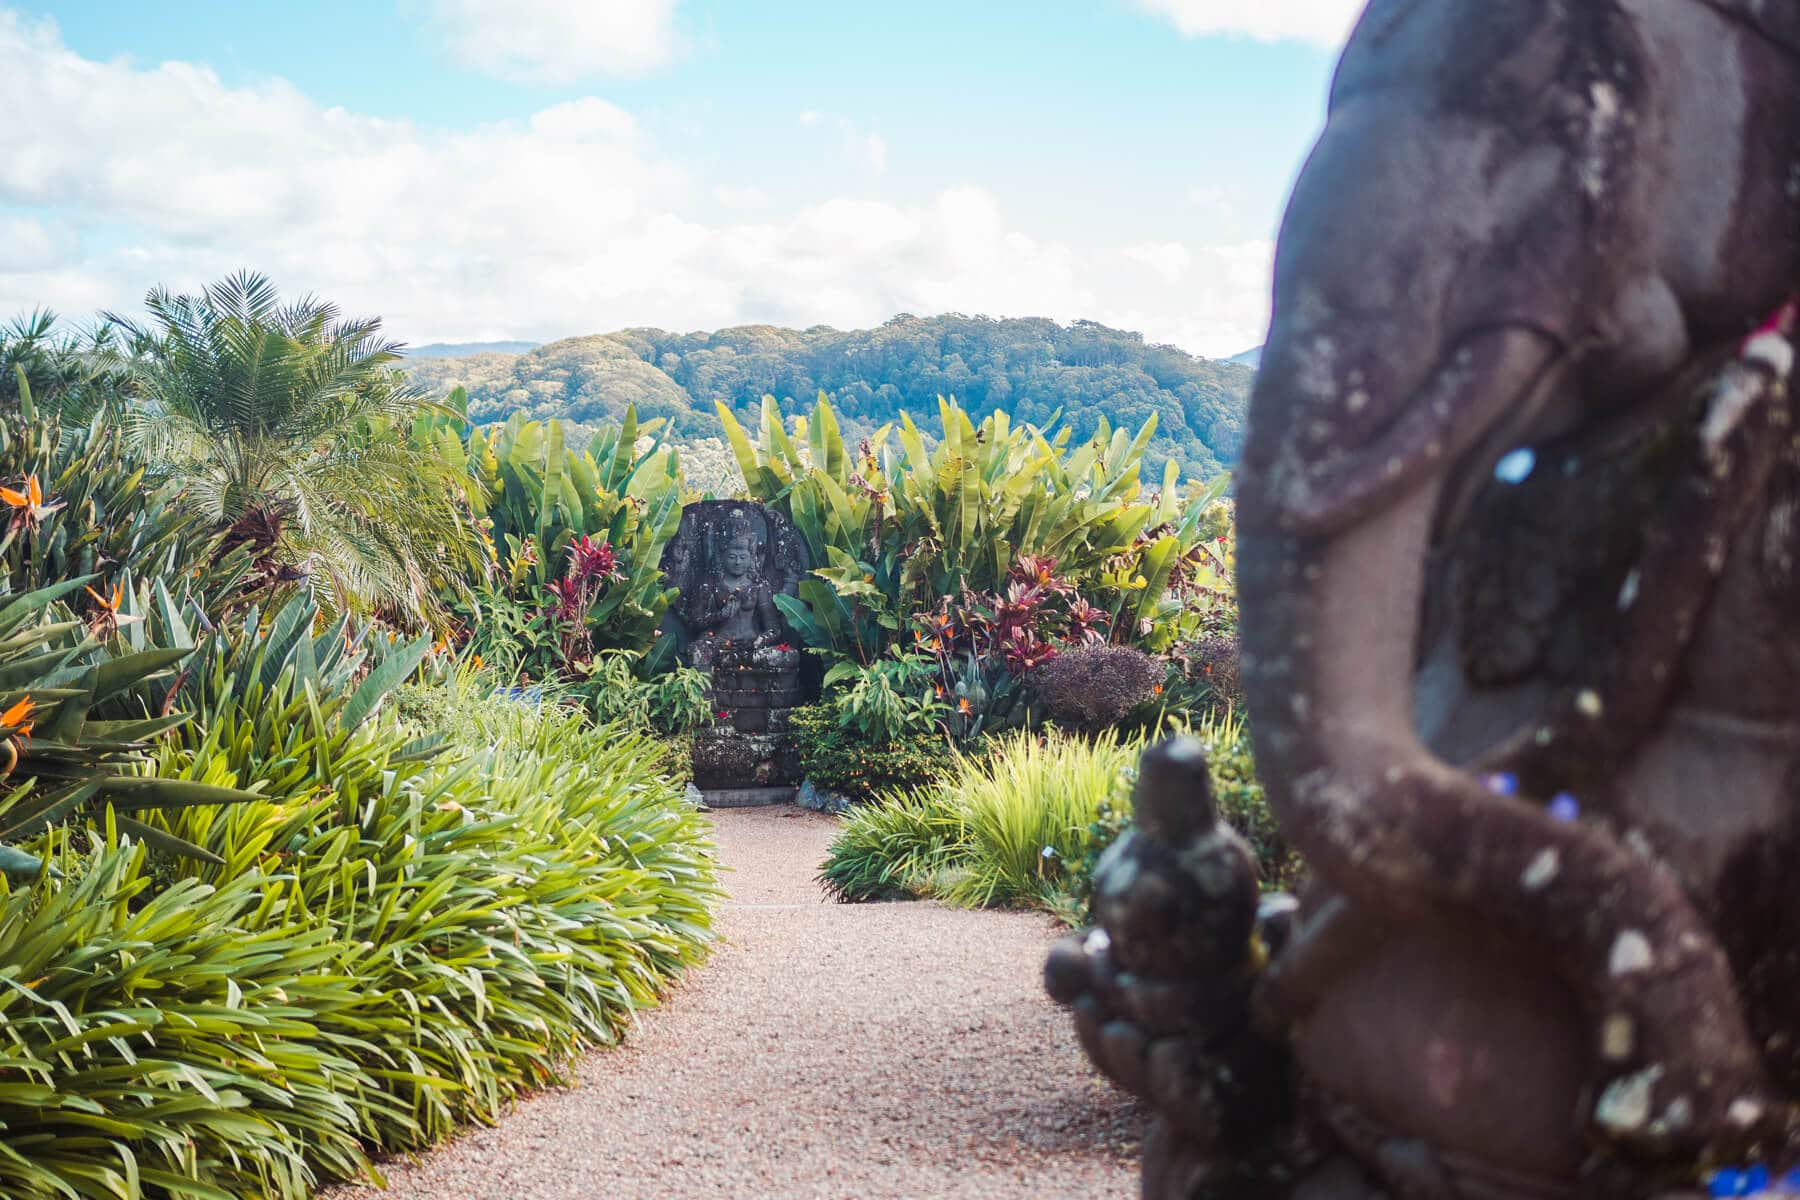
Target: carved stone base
x=760, y=797
x=747, y=748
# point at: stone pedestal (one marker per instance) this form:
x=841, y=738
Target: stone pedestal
x=746, y=756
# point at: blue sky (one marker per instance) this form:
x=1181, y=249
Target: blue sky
x=551, y=167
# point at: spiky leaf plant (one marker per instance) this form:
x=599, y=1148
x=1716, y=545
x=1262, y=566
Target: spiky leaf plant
x=505, y=901
x=60, y=757
x=1001, y=829
x=74, y=502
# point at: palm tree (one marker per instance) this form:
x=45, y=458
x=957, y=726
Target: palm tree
x=63, y=371
x=288, y=430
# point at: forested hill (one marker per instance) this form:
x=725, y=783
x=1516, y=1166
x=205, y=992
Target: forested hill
x=1030, y=367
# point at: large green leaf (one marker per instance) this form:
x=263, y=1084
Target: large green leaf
x=389, y=674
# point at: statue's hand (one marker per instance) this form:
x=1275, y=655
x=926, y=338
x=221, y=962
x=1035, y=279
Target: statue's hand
x=1160, y=989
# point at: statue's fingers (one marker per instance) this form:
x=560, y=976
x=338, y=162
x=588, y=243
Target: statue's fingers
x=1177, y=1169
x=1066, y=971
x=1125, y=1046
x=1090, y=1016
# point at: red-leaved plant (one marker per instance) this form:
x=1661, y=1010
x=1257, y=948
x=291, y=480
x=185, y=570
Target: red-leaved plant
x=591, y=565
x=984, y=643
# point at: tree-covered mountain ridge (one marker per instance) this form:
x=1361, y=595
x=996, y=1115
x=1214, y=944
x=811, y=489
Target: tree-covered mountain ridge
x=1032, y=368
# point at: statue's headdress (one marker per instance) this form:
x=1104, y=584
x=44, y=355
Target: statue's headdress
x=737, y=525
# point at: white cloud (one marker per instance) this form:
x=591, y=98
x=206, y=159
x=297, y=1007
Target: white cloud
x=860, y=146
x=1168, y=259
x=741, y=197
x=570, y=222
x=874, y=148
x=28, y=245
x=1224, y=305
x=1322, y=22
x=1213, y=206
x=557, y=41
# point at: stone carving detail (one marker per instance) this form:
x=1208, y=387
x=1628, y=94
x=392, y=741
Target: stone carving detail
x=1521, y=651
x=729, y=560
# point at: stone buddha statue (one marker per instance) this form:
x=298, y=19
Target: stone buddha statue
x=732, y=605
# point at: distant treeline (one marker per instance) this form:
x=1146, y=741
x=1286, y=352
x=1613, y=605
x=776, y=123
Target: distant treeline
x=1032, y=368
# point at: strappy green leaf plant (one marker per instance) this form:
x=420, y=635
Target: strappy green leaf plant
x=60, y=757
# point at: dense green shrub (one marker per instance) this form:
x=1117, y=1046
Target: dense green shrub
x=889, y=700
x=1239, y=796
x=1026, y=823
x=396, y=941
x=670, y=704
x=164, y=1042
x=841, y=759
x=75, y=731
x=1207, y=676
x=95, y=510
x=1003, y=829
x=896, y=849
x=621, y=491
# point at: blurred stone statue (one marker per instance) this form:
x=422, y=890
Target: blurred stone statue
x=1519, y=568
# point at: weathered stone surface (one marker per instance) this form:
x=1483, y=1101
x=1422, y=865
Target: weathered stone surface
x=1516, y=554
x=729, y=560
x=750, y=797
x=728, y=757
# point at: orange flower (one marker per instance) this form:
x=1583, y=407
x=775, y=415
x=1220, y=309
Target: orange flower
x=111, y=606
x=105, y=621
x=16, y=721
x=963, y=705
x=27, y=503
x=31, y=497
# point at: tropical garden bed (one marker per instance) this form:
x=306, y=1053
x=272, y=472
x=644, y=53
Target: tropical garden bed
x=345, y=755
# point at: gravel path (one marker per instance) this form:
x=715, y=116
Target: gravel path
x=828, y=1050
